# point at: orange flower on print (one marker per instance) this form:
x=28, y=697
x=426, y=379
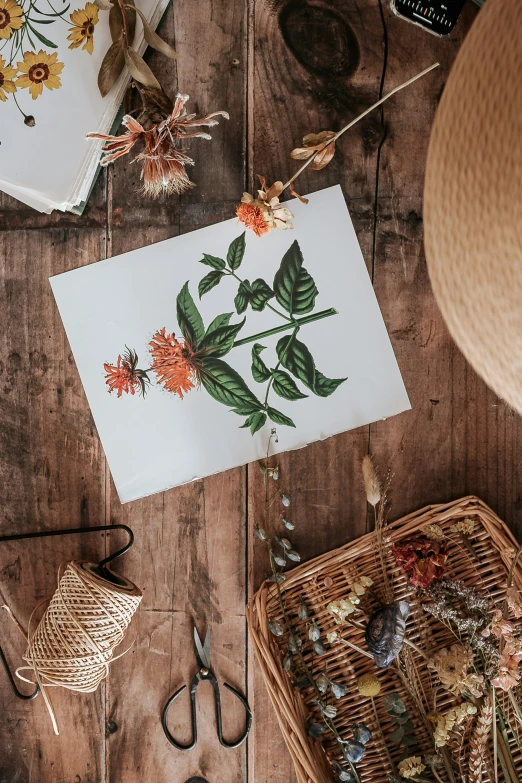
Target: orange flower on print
x=37, y=70
x=174, y=362
x=84, y=21
x=124, y=376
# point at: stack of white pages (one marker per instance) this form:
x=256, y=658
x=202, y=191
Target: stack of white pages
x=50, y=164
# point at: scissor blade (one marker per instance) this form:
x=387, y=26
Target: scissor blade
x=202, y=650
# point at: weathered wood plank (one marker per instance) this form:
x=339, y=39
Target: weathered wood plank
x=381, y=169
x=190, y=557
x=52, y=474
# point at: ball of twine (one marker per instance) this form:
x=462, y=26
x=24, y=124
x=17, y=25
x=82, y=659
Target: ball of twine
x=74, y=642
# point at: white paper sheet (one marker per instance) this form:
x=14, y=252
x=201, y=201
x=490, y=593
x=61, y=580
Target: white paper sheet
x=52, y=165
x=161, y=441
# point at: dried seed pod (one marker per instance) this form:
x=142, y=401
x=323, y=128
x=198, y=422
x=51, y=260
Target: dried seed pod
x=339, y=690
x=353, y=751
x=285, y=501
x=280, y=560
x=385, y=632
x=288, y=661
x=319, y=648
x=289, y=525
x=314, y=632
x=276, y=578
x=315, y=729
x=303, y=611
x=343, y=775
x=323, y=683
x=328, y=710
x=293, y=555
x=362, y=733
x=276, y=628
x=260, y=533
x=285, y=543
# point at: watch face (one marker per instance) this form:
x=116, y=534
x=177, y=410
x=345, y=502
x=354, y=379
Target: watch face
x=437, y=16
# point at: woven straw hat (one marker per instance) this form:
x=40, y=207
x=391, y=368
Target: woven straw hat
x=473, y=199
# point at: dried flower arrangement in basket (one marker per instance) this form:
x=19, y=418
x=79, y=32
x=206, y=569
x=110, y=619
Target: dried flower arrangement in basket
x=398, y=656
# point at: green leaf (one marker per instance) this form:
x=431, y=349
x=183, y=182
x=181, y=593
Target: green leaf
x=225, y=385
x=408, y=727
x=236, y=251
x=260, y=371
x=279, y=417
x=397, y=735
x=255, y=421
x=219, y=320
x=295, y=357
x=245, y=409
x=242, y=297
x=209, y=282
x=286, y=387
x=410, y=740
x=189, y=319
x=294, y=287
x=261, y=293
x=325, y=386
x=213, y=261
x=220, y=341
x=41, y=37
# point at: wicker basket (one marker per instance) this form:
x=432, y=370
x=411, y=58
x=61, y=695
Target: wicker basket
x=328, y=578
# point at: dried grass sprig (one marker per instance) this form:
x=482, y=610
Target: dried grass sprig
x=318, y=150
x=479, y=741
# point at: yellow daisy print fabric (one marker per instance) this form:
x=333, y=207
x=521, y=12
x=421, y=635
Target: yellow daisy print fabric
x=84, y=21
x=10, y=18
x=37, y=70
x=7, y=75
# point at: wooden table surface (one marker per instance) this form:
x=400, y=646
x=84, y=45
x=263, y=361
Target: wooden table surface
x=281, y=69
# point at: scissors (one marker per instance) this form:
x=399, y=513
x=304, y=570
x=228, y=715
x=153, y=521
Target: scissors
x=205, y=673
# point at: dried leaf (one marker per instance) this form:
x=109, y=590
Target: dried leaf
x=294, y=192
x=110, y=69
x=116, y=23
x=316, y=140
x=323, y=157
x=139, y=69
x=161, y=99
x=153, y=38
x=301, y=153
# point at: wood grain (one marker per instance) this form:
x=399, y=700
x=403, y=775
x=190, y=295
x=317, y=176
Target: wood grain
x=282, y=69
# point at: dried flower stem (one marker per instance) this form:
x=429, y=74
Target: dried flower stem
x=356, y=120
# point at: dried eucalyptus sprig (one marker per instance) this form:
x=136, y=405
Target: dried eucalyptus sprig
x=305, y=642
x=161, y=125
x=264, y=213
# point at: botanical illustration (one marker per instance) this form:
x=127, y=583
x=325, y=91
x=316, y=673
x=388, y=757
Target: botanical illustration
x=424, y=649
x=24, y=65
x=194, y=358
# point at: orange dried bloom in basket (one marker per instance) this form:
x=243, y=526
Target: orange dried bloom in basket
x=423, y=559
x=174, y=362
x=124, y=376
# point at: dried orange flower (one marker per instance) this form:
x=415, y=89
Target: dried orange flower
x=163, y=161
x=174, y=362
x=124, y=376
x=264, y=213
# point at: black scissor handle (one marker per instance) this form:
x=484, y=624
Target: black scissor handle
x=217, y=698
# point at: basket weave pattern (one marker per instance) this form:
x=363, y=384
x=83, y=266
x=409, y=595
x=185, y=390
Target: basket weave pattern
x=493, y=544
